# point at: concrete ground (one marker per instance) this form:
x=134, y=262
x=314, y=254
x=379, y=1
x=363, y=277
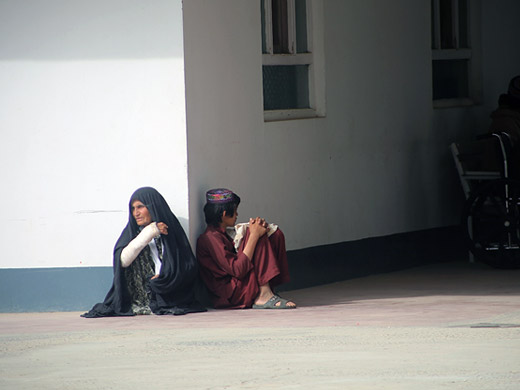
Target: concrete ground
x=444, y=326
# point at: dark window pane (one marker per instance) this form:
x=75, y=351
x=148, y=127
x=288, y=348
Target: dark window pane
x=280, y=27
x=463, y=23
x=301, y=26
x=262, y=13
x=450, y=79
x=432, y=24
x=446, y=25
x=285, y=87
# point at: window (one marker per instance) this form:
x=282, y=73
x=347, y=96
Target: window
x=291, y=69
x=455, y=60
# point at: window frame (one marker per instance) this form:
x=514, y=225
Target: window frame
x=469, y=53
x=313, y=58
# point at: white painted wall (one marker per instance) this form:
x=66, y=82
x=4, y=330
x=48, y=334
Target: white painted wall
x=378, y=163
x=91, y=108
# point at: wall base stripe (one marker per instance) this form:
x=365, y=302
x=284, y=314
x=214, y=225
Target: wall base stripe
x=77, y=289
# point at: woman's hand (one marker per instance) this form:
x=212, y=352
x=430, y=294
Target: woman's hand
x=163, y=228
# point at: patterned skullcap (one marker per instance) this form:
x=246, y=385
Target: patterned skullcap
x=219, y=195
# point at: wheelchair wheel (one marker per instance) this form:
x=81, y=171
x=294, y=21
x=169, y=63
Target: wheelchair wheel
x=492, y=220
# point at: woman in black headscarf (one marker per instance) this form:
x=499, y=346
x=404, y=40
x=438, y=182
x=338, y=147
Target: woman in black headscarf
x=154, y=267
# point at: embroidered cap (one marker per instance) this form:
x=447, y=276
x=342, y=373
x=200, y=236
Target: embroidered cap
x=219, y=195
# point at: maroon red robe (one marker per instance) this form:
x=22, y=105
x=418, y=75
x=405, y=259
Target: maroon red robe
x=231, y=277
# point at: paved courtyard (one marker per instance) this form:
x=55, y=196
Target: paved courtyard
x=443, y=326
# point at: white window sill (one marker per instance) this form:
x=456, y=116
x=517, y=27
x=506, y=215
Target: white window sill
x=453, y=103
x=451, y=54
x=286, y=115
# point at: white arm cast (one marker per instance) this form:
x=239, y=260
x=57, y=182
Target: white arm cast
x=134, y=247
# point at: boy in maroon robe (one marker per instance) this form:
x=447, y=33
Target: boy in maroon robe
x=241, y=273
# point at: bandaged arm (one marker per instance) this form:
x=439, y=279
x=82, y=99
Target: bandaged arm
x=134, y=247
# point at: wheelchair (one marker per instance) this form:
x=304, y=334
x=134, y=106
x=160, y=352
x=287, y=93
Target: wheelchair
x=491, y=213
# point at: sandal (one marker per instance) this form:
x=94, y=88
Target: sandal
x=272, y=304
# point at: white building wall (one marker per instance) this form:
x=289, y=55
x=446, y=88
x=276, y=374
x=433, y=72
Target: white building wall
x=377, y=164
x=91, y=107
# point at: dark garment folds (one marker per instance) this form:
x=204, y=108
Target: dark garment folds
x=173, y=292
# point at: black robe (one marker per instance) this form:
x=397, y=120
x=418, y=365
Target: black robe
x=173, y=292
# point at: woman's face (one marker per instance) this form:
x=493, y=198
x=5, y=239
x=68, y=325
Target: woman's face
x=140, y=213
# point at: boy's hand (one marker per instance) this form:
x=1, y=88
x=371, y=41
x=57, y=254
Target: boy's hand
x=257, y=226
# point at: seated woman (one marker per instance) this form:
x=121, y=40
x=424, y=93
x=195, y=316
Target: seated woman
x=240, y=273
x=154, y=267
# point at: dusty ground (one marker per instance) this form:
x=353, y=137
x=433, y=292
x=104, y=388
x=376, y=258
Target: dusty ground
x=449, y=326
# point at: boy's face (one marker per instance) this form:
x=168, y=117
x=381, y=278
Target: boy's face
x=230, y=220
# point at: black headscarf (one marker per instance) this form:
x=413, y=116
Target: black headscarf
x=173, y=291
